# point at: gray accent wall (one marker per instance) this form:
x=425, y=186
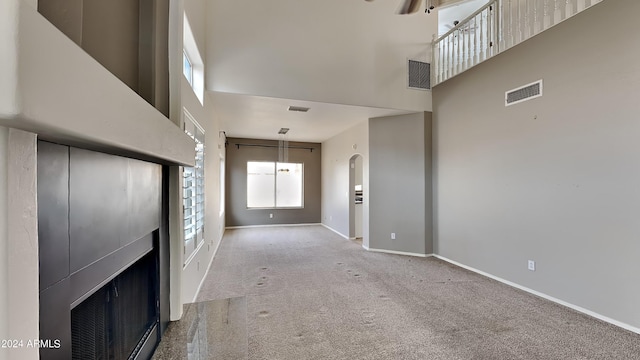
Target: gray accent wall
x=555, y=179
x=400, y=180
x=237, y=213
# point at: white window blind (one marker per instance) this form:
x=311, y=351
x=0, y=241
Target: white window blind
x=193, y=191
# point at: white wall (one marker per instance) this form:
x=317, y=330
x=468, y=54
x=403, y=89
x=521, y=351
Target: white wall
x=8, y=57
x=554, y=179
x=95, y=109
x=336, y=153
x=197, y=15
x=333, y=51
x=4, y=291
x=19, y=306
x=195, y=269
x=62, y=94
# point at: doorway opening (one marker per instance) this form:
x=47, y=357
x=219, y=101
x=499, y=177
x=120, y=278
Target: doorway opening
x=356, y=198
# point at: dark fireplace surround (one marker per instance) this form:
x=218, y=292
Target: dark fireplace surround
x=103, y=250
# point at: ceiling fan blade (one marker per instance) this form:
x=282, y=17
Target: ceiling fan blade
x=409, y=6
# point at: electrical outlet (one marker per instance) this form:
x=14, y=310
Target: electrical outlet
x=531, y=265
x=330, y=217
x=270, y=216
x=393, y=236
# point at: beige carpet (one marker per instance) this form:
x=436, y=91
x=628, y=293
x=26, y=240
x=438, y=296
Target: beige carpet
x=313, y=295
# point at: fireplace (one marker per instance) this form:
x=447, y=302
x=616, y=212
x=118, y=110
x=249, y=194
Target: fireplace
x=118, y=319
x=104, y=261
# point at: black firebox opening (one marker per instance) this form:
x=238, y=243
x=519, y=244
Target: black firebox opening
x=115, y=321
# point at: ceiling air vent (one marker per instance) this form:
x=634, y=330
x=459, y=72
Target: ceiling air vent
x=419, y=75
x=523, y=93
x=298, y=108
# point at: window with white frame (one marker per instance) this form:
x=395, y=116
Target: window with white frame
x=193, y=191
x=192, y=64
x=187, y=68
x=274, y=185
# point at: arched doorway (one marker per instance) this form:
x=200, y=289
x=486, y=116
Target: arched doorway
x=356, y=198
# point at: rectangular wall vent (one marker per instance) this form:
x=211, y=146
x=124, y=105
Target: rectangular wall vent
x=298, y=108
x=419, y=75
x=523, y=93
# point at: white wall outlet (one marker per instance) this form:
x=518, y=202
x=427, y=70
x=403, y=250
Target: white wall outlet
x=393, y=236
x=531, y=265
x=270, y=216
x=330, y=217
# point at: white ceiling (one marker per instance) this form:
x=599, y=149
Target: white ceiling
x=459, y=11
x=346, y=60
x=259, y=117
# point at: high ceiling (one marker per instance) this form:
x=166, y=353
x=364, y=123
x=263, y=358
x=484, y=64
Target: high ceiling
x=346, y=60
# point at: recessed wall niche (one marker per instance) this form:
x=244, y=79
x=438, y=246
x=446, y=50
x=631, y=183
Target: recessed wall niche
x=128, y=37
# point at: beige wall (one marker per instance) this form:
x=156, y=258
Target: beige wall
x=4, y=308
x=554, y=179
x=195, y=269
x=333, y=51
x=9, y=10
x=110, y=35
x=336, y=153
x=95, y=110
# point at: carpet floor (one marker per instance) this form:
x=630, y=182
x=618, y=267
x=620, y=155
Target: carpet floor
x=310, y=294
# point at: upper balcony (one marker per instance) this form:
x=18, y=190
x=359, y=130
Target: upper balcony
x=495, y=27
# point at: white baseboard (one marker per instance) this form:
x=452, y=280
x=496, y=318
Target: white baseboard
x=335, y=231
x=206, y=273
x=269, y=225
x=545, y=296
x=396, y=252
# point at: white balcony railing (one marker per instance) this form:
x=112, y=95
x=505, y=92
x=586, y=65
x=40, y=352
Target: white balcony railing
x=496, y=27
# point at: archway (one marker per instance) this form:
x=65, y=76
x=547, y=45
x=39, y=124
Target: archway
x=356, y=198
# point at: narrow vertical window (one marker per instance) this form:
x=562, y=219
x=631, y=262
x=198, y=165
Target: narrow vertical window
x=261, y=183
x=187, y=68
x=288, y=185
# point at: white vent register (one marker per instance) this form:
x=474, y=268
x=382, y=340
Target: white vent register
x=523, y=93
